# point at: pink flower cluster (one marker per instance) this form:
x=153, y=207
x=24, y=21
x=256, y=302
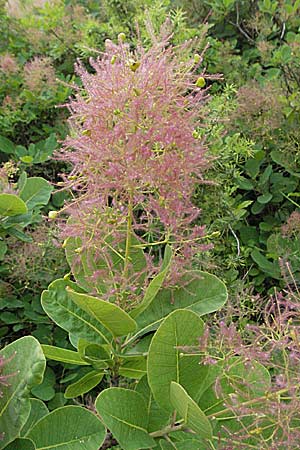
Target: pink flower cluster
x=132, y=146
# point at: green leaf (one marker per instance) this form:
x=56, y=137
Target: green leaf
x=265, y=265
x=167, y=362
x=265, y=198
x=189, y=411
x=11, y=205
x=124, y=412
x=257, y=208
x=99, y=356
x=154, y=285
x=133, y=366
x=84, y=384
x=3, y=249
x=45, y=391
x=63, y=355
x=6, y=146
x=36, y=192
x=113, y=318
x=64, y=312
x=38, y=409
x=27, y=159
x=66, y=428
x=26, y=365
x=157, y=417
x=200, y=292
x=21, y=444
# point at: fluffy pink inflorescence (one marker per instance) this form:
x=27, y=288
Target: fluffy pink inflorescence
x=131, y=145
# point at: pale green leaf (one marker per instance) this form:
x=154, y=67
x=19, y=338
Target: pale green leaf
x=84, y=384
x=63, y=355
x=68, y=428
x=167, y=362
x=26, y=365
x=189, y=411
x=124, y=412
x=11, y=205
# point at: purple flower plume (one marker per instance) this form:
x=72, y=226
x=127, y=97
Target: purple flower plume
x=131, y=145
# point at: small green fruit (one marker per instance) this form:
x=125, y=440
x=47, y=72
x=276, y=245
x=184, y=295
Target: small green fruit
x=122, y=37
x=52, y=214
x=134, y=65
x=197, y=58
x=200, y=82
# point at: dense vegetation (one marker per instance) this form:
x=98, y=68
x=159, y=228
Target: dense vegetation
x=149, y=224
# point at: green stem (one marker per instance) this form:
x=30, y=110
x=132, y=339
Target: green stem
x=128, y=234
x=267, y=396
x=168, y=429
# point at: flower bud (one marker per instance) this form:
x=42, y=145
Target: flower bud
x=122, y=37
x=197, y=58
x=134, y=65
x=52, y=214
x=200, y=82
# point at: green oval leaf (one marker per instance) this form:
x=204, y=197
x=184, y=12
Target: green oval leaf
x=200, y=292
x=69, y=427
x=189, y=411
x=36, y=192
x=124, y=412
x=85, y=384
x=6, y=146
x=27, y=159
x=26, y=366
x=63, y=355
x=167, y=362
x=113, y=318
x=265, y=198
x=11, y=205
x=58, y=305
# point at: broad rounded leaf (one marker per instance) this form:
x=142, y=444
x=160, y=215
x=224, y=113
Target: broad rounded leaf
x=36, y=192
x=124, y=412
x=58, y=305
x=203, y=294
x=6, y=146
x=69, y=427
x=189, y=411
x=38, y=409
x=26, y=365
x=167, y=362
x=11, y=205
x=157, y=417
